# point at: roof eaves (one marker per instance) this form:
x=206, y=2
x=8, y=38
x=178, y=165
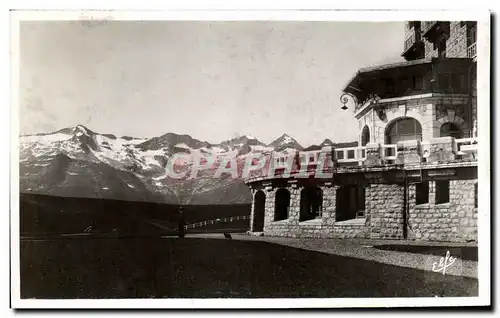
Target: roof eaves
x=349, y=87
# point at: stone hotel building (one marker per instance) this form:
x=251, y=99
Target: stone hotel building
x=413, y=174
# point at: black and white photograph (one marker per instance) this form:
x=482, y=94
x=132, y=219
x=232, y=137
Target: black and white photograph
x=325, y=159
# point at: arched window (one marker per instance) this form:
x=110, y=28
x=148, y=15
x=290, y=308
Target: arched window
x=365, y=136
x=450, y=130
x=282, y=204
x=403, y=129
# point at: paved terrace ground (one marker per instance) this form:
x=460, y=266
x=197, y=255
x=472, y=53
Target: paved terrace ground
x=411, y=254
x=206, y=265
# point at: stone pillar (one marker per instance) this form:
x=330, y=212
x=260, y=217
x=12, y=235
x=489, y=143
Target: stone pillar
x=294, y=211
x=385, y=203
x=408, y=152
x=432, y=193
x=252, y=209
x=329, y=204
x=269, y=209
x=442, y=149
x=372, y=155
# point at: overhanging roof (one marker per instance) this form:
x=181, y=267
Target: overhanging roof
x=362, y=72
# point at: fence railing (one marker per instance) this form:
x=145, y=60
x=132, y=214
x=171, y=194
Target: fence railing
x=217, y=221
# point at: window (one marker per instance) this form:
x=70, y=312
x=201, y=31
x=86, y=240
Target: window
x=472, y=35
x=282, y=204
x=422, y=193
x=442, y=191
x=457, y=82
x=450, y=130
x=444, y=81
x=417, y=82
x=350, y=203
x=403, y=129
x=390, y=86
x=360, y=202
x=365, y=136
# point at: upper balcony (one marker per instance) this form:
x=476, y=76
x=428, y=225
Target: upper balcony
x=409, y=78
x=432, y=29
x=414, y=47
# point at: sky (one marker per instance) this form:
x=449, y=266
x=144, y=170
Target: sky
x=211, y=80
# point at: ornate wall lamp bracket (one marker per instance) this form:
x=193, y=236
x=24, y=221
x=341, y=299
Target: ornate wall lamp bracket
x=344, y=99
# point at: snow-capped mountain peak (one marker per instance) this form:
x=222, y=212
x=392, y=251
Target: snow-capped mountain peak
x=76, y=161
x=284, y=142
x=80, y=130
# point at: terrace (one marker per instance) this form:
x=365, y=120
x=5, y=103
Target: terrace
x=411, y=152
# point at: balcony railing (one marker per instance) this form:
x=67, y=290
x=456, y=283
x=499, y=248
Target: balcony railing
x=350, y=154
x=466, y=146
x=472, y=51
x=389, y=152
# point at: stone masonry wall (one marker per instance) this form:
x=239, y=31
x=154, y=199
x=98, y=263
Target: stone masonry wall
x=430, y=51
x=462, y=206
x=456, y=45
x=385, y=203
x=323, y=227
x=454, y=221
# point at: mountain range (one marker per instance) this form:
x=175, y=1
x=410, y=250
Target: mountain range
x=78, y=162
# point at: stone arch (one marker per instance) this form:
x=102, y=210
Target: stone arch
x=456, y=120
x=365, y=135
x=401, y=129
x=259, y=208
x=281, y=204
x=311, y=203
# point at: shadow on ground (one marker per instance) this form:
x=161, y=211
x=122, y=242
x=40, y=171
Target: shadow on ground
x=464, y=253
x=194, y=267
